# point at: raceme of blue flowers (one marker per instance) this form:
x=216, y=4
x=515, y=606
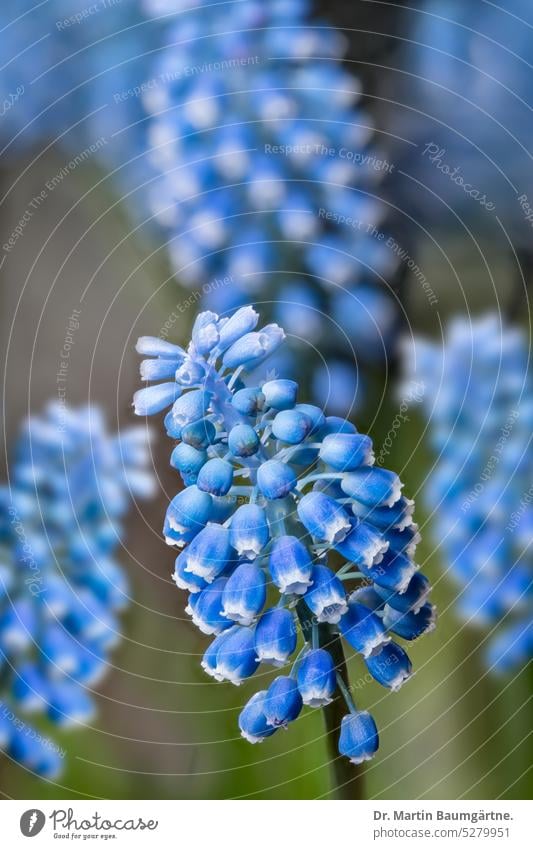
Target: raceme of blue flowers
x=61, y=587
x=276, y=496
x=478, y=402
x=268, y=183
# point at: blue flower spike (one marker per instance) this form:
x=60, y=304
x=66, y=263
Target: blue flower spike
x=477, y=400
x=61, y=589
x=275, y=154
x=273, y=497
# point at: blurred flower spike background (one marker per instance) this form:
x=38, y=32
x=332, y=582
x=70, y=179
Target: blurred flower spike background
x=62, y=588
x=364, y=180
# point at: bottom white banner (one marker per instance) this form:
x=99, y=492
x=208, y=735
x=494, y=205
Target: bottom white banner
x=228, y=823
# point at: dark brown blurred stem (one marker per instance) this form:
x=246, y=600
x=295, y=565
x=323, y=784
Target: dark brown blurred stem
x=518, y=303
x=348, y=780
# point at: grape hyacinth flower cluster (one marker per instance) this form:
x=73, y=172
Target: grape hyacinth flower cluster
x=61, y=587
x=479, y=407
x=276, y=495
x=266, y=170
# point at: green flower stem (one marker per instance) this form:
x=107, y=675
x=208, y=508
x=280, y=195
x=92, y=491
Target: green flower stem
x=346, y=694
x=315, y=636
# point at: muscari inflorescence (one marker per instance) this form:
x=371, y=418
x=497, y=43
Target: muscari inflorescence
x=277, y=496
x=61, y=588
x=268, y=183
x=478, y=402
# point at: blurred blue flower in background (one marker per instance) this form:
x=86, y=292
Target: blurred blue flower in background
x=478, y=402
x=269, y=185
x=466, y=103
x=235, y=127
x=72, y=74
x=61, y=586
x=288, y=534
